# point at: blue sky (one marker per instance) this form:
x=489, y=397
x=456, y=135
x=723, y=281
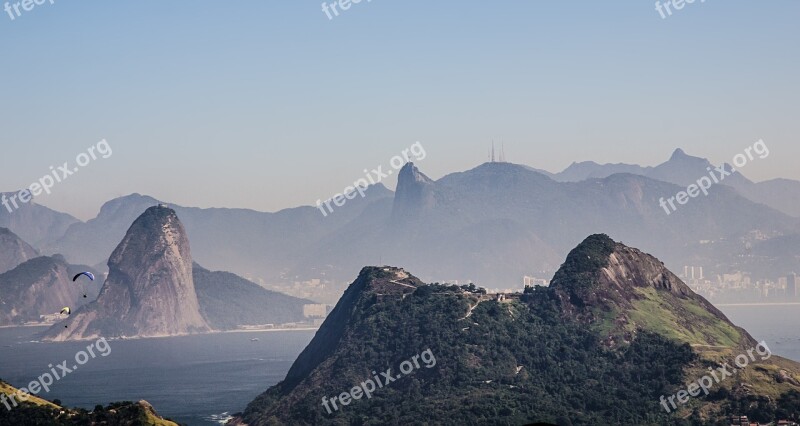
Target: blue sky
x=267, y=104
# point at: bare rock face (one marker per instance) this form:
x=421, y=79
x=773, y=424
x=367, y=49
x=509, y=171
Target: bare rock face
x=13, y=251
x=149, y=291
x=623, y=290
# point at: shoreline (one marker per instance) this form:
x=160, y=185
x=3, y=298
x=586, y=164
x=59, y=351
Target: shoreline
x=187, y=335
x=266, y=329
x=26, y=325
x=117, y=338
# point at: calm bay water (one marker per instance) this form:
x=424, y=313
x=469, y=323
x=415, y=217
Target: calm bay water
x=194, y=379
x=191, y=379
x=777, y=325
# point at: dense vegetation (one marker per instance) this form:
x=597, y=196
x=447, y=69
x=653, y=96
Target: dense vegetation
x=585, y=259
x=116, y=414
x=564, y=372
x=532, y=358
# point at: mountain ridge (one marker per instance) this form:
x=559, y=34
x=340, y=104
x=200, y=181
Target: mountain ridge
x=493, y=223
x=13, y=250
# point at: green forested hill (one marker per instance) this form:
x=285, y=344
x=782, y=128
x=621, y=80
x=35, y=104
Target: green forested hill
x=613, y=333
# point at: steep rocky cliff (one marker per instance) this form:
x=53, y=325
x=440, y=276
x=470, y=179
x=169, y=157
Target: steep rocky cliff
x=149, y=291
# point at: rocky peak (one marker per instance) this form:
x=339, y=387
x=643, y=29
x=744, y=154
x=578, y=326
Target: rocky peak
x=149, y=291
x=600, y=270
x=603, y=281
x=678, y=154
x=414, y=192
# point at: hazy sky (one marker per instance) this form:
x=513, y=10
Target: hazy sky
x=267, y=105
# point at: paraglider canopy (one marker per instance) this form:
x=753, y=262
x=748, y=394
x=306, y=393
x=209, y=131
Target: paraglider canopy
x=88, y=274
x=66, y=310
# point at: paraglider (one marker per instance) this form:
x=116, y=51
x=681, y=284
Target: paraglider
x=66, y=310
x=88, y=274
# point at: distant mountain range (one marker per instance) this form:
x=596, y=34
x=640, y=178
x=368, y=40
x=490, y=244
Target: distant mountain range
x=500, y=221
x=491, y=224
x=251, y=243
x=609, y=342
x=682, y=169
x=35, y=223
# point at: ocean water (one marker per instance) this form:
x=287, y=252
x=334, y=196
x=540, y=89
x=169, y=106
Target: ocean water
x=777, y=325
x=199, y=380
x=194, y=380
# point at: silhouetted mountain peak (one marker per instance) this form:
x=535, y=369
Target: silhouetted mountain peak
x=410, y=174
x=113, y=206
x=414, y=193
x=678, y=154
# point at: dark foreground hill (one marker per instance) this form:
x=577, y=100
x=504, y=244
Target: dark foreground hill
x=37, y=411
x=614, y=333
